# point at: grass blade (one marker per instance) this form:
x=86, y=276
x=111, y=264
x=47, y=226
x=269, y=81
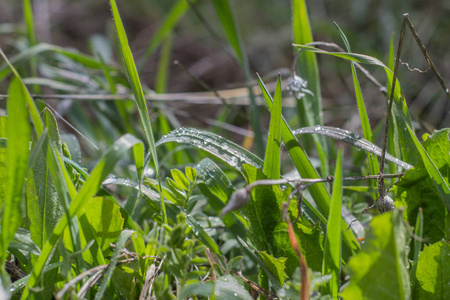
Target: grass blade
x=310, y=106
x=367, y=131
x=220, y=147
x=351, y=139
x=226, y=17
x=272, y=159
x=19, y=135
x=333, y=241
x=417, y=247
x=306, y=170
x=138, y=93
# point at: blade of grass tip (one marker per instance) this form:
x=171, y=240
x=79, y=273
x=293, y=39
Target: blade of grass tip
x=171, y=20
x=87, y=191
x=227, y=20
x=417, y=246
x=306, y=170
x=19, y=135
x=29, y=22
x=393, y=145
x=365, y=124
x=333, y=241
x=272, y=159
x=138, y=94
x=310, y=106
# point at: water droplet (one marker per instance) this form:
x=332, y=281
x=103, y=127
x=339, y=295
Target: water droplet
x=225, y=279
x=317, y=128
x=235, y=294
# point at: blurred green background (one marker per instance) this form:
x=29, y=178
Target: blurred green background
x=266, y=31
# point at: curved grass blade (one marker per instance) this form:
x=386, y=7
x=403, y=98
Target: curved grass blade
x=367, y=131
x=203, y=236
x=272, y=158
x=310, y=106
x=23, y=56
x=351, y=139
x=218, y=146
x=138, y=93
x=333, y=241
x=87, y=191
x=306, y=170
x=401, y=117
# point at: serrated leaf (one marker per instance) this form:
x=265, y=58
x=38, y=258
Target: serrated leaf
x=433, y=272
x=275, y=265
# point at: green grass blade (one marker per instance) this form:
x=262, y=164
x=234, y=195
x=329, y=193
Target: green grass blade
x=333, y=240
x=272, y=159
x=87, y=191
x=400, y=114
x=138, y=93
x=367, y=131
x=86, y=60
x=352, y=139
x=226, y=18
x=19, y=135
x=306, y=170
x=229, y=152
x=417, y=247
x=310, y=106
x=171, y=20
x=203, y=235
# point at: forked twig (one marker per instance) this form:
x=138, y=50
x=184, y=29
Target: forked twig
x=406, y=21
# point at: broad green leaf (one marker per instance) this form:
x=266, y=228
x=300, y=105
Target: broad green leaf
x=180, y=179
x=333, y=241
x=19, y=136
x=272, y=159
x=22, y=241
x=87, y=191
x=138, y=93
x=440, y=183
x=275, y=265
x=228, y=287
x=310, y=106
x=306, y=170
x=379, y=270
x=433, y=272
x=106, y=220
x=196, y=288
x=417, y=188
